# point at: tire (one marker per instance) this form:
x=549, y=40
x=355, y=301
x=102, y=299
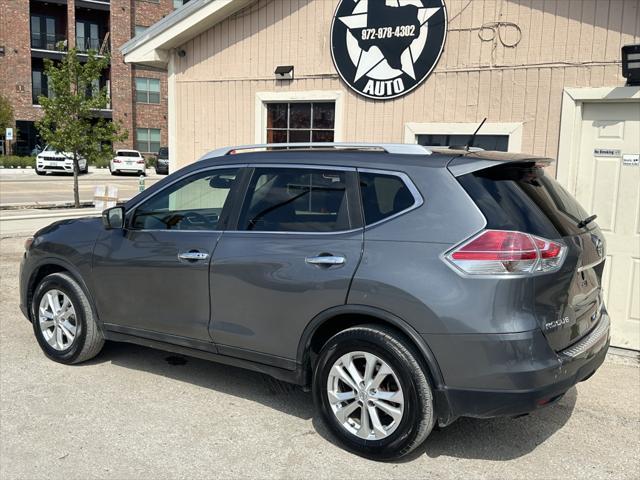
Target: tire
x=88, y=338
x=417, y=418
x=40, y=172
x=113, y=172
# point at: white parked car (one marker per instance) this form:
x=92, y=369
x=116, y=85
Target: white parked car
x=127, y=161
x=51, y=161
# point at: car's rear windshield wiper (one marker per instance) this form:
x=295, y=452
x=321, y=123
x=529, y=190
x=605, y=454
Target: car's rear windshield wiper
x=586, y=221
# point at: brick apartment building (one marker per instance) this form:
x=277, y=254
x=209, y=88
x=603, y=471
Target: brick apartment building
x=31, y=30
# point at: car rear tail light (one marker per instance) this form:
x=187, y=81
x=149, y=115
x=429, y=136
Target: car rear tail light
x=116, y=160
x=500, y=252
x=141, y=160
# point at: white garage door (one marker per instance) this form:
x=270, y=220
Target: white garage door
x=608, y=184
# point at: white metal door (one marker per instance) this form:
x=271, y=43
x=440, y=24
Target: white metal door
x=607, y=183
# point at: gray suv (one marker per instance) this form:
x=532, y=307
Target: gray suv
x=405, y=286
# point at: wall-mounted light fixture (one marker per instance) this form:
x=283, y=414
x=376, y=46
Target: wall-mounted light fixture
x=182, y=53
x=284, y=72
x=631, y=64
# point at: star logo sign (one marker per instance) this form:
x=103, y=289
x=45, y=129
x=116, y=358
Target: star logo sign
x=385, y=48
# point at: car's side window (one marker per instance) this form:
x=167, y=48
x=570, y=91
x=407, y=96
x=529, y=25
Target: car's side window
x=383, y=195
x=296, y=200
x=193, y=203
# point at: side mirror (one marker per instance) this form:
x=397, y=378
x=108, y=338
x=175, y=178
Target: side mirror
x=113, y=218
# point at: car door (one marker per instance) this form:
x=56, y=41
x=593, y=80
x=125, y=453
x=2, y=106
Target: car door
x=295, y=248
x=153, y=276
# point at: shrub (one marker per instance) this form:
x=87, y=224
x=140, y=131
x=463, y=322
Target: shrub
x=16, y=161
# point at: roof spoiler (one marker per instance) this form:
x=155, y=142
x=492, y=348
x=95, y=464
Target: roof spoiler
x=479, y=160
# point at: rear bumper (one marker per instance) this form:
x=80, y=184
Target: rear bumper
x=535, y=377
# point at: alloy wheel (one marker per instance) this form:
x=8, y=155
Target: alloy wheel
x=57, y=319
x=365, y=395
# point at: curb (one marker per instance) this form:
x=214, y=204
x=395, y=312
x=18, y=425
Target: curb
x=89, y=213
x=52, y=205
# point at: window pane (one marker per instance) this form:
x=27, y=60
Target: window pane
x=383, y=196
x=276, y=115
x=276, y=136
x=141, y=84
x=299, y=115
x=141, y=146
x=141, y=96
x=154, y=98
x=296, y=200
x=194, y=203
x=299, y=135
x=154, y=134
x=142, y=134
x=324, y=115
x=154, y=85
x=322, y=136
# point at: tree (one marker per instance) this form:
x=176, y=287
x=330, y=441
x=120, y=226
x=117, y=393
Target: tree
x=6, y=114
x=70, y=123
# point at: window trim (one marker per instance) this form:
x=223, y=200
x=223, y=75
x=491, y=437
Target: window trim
x=512, y=130
x=231, y=199
x=353, y=199
x=418, y=199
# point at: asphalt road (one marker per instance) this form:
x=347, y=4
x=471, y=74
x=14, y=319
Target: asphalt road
x=134, y=412
x=28, y=188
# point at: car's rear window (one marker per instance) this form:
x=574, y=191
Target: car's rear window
x=120, y=153
x=522, y=197
x=163, y=153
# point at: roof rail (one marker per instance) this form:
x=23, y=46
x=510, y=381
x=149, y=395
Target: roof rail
x=397, y=148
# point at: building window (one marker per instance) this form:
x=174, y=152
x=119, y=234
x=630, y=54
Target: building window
x=148, y=90
x=486, y=142
x=87, y=36
x=44, y=34
x=300, y=122
x=139, y=29
x=40, y=86
x=148, y=140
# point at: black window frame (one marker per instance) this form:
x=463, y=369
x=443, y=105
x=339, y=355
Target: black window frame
x=352, y=191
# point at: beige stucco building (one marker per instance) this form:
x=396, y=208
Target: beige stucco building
x=546, y=75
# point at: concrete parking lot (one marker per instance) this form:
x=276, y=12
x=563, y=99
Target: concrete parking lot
x=134, y=412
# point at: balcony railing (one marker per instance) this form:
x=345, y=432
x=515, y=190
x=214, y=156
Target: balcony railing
x=84, y=44
x=49, y=41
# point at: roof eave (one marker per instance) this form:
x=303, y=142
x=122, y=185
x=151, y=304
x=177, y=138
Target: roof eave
x=152, y=46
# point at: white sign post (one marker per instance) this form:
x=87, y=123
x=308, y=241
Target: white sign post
x=8, y=134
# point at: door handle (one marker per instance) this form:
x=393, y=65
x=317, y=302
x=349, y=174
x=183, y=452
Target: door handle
x=193, y=256
x=326, y=260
